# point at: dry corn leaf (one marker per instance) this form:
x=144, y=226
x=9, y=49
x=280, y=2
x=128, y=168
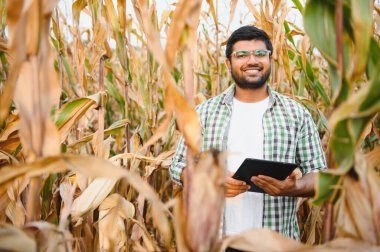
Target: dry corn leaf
x=182, y=16
x=8, y=158
x=16, y=18
x=36, y=88
x=277, y=42
x=357, y=212
x=16, y=213
x=233, y=4
x=253, y=10
x=374, y=156
x=112, y=213
x=203, y=199
x=49, y=237
x=91, y=167
x=92, y=197
x=11, y=126
x=262, y=240
x=66, y=191
x=15, y=210
x=174, y=101
x=213, y=13
x=14, y=239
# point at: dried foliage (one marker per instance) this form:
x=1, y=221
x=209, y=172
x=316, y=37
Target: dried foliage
x=89, y=119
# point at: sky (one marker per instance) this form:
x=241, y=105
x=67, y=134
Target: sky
x=241, y=17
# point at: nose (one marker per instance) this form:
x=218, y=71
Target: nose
x=252, y=59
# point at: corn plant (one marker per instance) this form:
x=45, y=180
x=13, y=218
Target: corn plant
x=89, y=120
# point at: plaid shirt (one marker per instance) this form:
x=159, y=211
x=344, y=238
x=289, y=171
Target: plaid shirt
x=290, y=135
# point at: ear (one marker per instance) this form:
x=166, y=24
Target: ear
x=228, y=63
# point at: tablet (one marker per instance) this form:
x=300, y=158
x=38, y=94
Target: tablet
x=253, y=167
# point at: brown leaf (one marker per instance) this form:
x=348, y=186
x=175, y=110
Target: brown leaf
x=233, y=4
x=14, y=239
x=262, y=240
x=174, y=100
x=49, y=237
x=92, y=197
x=112, y=213
x=183, y=13
x=213, y=13
x=203, y=191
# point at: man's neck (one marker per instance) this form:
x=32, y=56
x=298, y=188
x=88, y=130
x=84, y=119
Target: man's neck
x=251, y=95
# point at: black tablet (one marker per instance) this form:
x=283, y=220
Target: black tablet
x=253, y=167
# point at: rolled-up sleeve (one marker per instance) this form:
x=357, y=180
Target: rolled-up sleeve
x=178, y=162
x=310, y=155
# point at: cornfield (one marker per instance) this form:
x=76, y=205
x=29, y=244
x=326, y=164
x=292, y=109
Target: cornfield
x=90, y=118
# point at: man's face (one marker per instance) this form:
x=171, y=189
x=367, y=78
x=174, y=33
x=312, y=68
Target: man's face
x=249, y=72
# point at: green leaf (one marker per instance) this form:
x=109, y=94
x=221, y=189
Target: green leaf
x=115, y=128
x=298, y=4
x=327, y=188
x=362, y=18
x=74, y=110
x=373, y=59
x=342, y=146
x=69, y=72
x=319, y=22
x=287, y=30
x=114, y=91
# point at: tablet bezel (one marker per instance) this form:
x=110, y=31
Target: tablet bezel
x=253, y=167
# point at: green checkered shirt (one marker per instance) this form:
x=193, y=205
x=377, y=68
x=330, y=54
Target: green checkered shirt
x=290, y=135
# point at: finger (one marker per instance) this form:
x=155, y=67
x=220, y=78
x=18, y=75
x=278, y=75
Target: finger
x=232, y=181
x=237, y=187
x=293, y=175
x=271, y=190
x=267, y=187
x=234, y=192
x=269, y=180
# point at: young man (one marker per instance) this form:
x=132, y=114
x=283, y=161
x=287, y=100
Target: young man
x=251, y=120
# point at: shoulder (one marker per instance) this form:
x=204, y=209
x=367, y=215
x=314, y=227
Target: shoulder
x=209, y=104
x=213, y=103
x=292, y=107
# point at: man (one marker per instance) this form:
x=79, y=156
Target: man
x=251, y=120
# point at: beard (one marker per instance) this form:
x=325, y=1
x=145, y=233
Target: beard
x=244, y=82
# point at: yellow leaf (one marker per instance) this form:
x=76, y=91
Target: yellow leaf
x=14, y=239
x=112, y=213
x=91, y=198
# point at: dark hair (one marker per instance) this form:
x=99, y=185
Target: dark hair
x=248, y=32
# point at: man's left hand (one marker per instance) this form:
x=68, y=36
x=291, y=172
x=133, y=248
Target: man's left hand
x=274, y=187
x=291, y=186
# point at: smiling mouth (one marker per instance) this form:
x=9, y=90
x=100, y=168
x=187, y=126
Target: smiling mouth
x=253, y=70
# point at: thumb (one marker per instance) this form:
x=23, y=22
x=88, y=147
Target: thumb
x=229, y=174
x=293, y=175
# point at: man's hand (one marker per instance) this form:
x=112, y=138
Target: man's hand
x=291, y=186
x=234, y=186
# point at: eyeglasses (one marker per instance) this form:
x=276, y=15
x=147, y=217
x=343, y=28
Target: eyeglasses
x=244, y=54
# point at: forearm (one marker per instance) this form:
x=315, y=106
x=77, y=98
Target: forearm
x=305, y=186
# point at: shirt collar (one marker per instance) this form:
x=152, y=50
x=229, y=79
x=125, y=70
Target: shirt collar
x=228, y=95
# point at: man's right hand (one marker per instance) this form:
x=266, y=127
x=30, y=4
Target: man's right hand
x=234, y=186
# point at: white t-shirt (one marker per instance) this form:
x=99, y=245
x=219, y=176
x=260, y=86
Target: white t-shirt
x=245, y=140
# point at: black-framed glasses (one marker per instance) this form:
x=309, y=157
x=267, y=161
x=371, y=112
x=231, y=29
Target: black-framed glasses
x=244, y=54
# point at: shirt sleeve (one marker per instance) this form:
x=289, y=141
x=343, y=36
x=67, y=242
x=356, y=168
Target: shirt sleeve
x=178, y=162
x=309, y=152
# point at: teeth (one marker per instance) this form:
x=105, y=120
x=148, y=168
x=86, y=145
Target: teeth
x=252, y=71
